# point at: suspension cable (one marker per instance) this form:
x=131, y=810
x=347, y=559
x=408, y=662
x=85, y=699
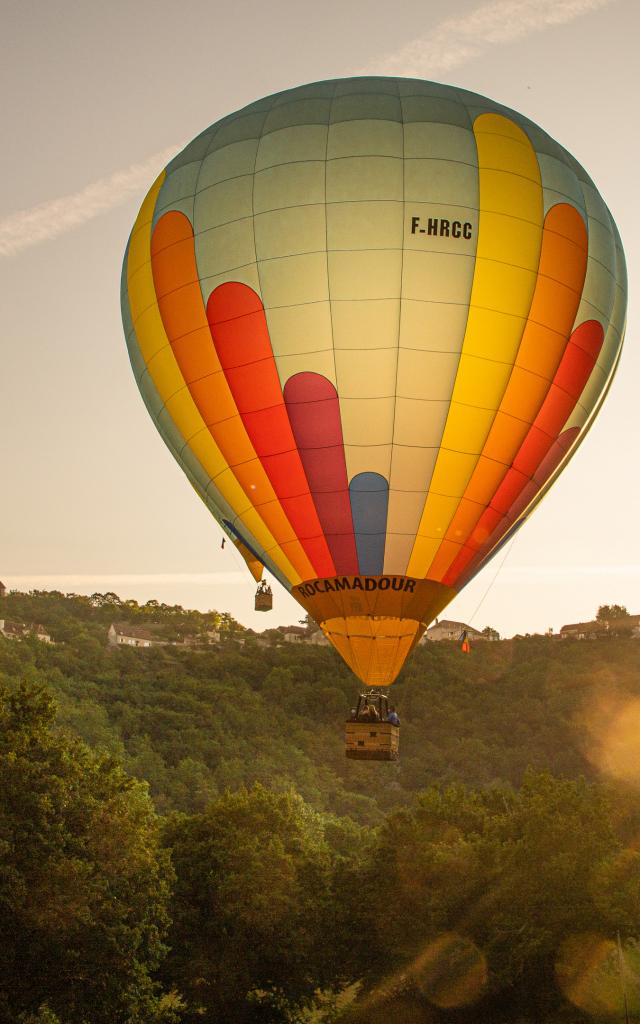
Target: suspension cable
x=495, y=576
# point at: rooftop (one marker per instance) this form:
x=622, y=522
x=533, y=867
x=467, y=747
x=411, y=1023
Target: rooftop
x=124, y=629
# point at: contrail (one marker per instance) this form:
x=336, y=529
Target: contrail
x=457, y=40
x=449, y=44
x=85, y=581
x=51, y=219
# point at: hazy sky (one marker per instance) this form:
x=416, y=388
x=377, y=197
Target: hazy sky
x=97, y=97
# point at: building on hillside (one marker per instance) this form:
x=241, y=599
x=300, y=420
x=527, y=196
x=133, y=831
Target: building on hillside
x=187, y=641
x=581, y=630
x=317, y=639
x=629, y=626
x=293, y=634
x=3, y=589
x=40, y=633
x=20, y=630
x=12, y=630
x=198, y=640
x=120, y=634
x=259, y=639
x=449, y=629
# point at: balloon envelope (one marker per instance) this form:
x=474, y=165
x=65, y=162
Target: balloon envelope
x=373, y=319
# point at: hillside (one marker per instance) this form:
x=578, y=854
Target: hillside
x=194, y=723
x=492, y=875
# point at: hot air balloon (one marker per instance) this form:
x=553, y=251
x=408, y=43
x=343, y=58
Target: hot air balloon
x=373, y=319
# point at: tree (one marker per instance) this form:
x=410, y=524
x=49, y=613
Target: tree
x=83, y=882
x=497, y=880
x=249, y=937
x=610, y=612
x=434, y=869
x=490, y=633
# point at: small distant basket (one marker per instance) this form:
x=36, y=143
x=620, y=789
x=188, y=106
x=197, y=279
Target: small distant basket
x=264, y=598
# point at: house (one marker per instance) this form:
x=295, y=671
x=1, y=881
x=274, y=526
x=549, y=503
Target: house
x=582, y=630
x=12, y=630
x=186, y=641
x=629, y=626
x=293, y=634
x=259, y=639
x=40, y=633
x=302, y=635
x=200, y=640
x=449, y=629
x=120, y=634
x=318, y=639
x=19, y=630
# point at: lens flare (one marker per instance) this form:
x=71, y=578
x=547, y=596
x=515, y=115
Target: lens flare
x=598, y=977
x=612, y=725
x=451, y=971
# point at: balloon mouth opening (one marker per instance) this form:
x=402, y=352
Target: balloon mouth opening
x=374, y=647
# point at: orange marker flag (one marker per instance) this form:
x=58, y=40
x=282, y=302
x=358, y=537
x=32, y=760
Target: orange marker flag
x=465, y=646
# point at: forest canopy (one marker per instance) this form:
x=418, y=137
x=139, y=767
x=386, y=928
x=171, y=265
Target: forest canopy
x=182, y=838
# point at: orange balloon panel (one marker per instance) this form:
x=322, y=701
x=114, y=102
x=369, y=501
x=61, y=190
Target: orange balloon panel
x=373, y=319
